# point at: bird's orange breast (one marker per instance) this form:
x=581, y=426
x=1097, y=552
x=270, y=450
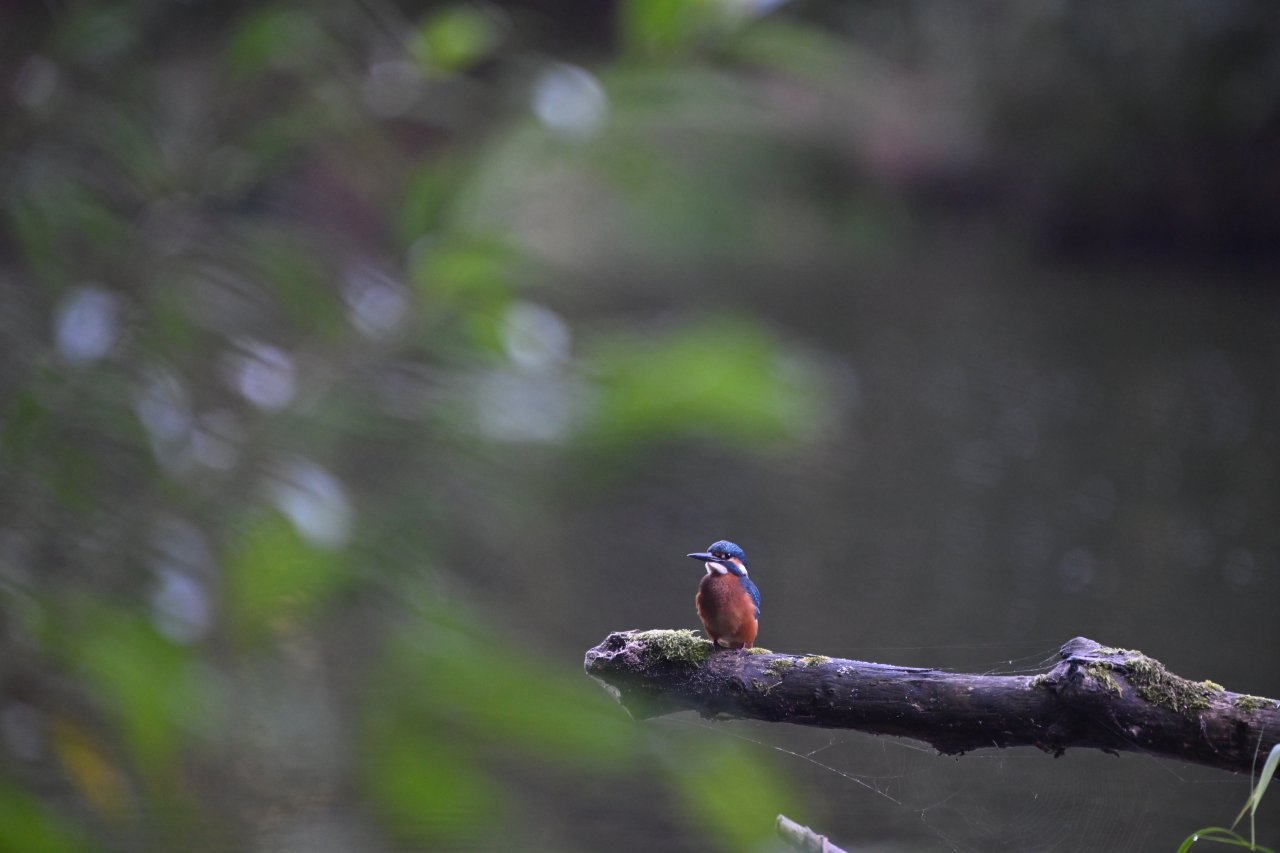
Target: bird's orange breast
x=727, y=612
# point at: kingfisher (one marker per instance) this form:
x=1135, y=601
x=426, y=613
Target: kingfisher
x=728, y=602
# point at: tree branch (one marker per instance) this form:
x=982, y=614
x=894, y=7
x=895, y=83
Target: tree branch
x=1096, y=697
x=803, y=838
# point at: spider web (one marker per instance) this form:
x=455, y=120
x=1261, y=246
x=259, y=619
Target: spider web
x=889, y=794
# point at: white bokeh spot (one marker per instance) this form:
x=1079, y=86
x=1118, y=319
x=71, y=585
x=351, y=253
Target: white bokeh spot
x=315, y=501
x=535, y=338
x=86, y=324
x=569, y=100
x=263, y=374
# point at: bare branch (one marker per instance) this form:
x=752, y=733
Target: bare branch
x=1096, y=697
x=803, y=838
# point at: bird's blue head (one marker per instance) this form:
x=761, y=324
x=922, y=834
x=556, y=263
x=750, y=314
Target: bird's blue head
x=723, y=557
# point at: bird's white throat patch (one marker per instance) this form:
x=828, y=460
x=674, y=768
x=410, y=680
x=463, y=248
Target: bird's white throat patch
x=715, y=569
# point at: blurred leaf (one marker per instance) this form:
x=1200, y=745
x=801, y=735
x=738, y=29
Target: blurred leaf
x=89, y=766
x=275, y=579
x=729, y=793
x=274, y=38
x=723, y=379
x=57, y=219
x=510, y=695
x=693, y=206
x=427, y=199
x=471, y=275
x=500, y=691
x=672, y=26
x=475, y=271
x=153, y=684
x=693, y=160
x=428, y=790
x=700, y=102
x=454, y=38
x=26, y=825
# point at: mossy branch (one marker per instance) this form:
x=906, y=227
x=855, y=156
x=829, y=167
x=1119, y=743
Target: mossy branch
x=1096, y=697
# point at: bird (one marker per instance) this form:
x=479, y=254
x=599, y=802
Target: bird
x=728, y=602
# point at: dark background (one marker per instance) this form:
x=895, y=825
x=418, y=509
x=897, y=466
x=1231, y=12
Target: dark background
x=367, y=362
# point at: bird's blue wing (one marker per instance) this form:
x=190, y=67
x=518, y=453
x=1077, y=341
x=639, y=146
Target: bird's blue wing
x=751, y=591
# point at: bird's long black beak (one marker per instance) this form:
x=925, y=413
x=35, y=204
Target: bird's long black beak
x=704, y=557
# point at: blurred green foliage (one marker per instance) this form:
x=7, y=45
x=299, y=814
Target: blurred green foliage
x=453, y=38
x=429, y=790
x=149, y=684
x=276, y=579
x=468, y=279
x=721, y=379
x=759, y=792
x=669, y=27
x=239, y=250
x=30, y=825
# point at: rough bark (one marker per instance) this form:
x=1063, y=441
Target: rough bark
x=1116, y=700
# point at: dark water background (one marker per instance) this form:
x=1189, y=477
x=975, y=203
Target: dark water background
x=1022, y=463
